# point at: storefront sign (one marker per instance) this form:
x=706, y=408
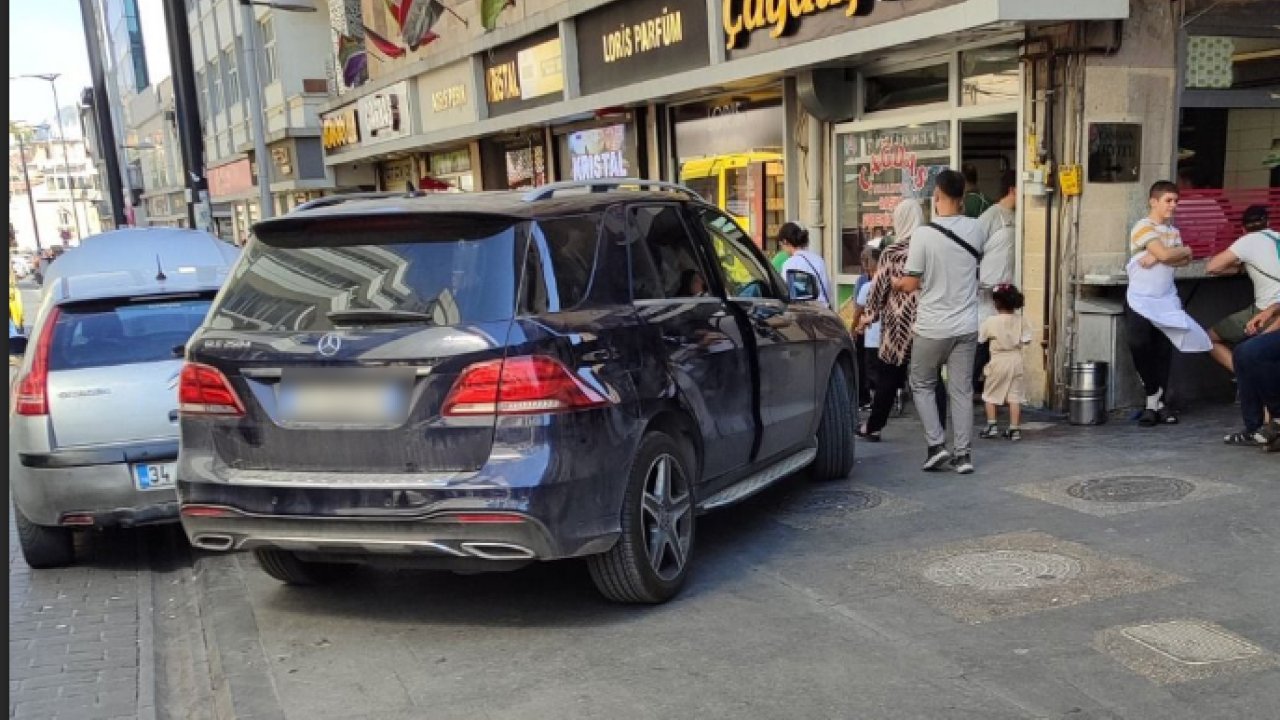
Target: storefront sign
x=624, y=43
x=398, y=172
x=449, y=98
x=524, y=75
x=340, y=129
x=234, y=178
x=599, y=153
x=787, y=22
x=384, y=114
x=282, y=157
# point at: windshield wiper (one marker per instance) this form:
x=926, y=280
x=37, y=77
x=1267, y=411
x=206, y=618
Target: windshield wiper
x=374, y=317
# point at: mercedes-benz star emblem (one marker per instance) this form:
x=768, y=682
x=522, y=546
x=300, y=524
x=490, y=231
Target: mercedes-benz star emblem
x=329, y=345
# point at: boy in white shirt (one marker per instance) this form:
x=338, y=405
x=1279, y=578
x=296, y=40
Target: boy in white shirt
x=1154, y=317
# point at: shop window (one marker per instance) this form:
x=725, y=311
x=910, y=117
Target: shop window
x=990, y=75
x=880, y=169
x=908, y=88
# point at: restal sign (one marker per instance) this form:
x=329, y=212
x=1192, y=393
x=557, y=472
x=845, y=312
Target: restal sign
x=628, y=42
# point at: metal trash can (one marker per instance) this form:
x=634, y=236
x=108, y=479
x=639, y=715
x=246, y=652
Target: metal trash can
x=1087, y=394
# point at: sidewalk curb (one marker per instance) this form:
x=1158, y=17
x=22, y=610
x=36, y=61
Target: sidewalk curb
x=239, y=672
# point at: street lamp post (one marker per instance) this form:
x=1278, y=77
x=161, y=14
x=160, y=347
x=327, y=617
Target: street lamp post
x=52, y=78
x=257, y=113
x=26, y=180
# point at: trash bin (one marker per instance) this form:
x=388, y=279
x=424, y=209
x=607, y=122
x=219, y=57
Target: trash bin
x=1087, y=394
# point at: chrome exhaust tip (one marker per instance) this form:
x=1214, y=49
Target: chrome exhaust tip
x=498, y=551
x=213, y=541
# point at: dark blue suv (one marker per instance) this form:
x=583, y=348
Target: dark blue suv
x=474, y=382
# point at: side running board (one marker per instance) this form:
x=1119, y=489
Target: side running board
x=753, y=484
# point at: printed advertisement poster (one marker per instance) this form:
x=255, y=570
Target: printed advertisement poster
x=599, y=153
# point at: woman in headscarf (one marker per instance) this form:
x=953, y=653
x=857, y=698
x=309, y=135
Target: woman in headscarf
x=896, y=313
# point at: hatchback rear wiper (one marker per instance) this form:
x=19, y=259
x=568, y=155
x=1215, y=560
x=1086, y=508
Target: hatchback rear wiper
x=373, y=317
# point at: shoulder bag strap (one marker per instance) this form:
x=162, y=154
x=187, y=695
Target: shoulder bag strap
x=977, y=256
x=821, y=284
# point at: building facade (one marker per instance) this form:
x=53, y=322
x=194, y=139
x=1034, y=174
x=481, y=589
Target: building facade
x=832, y=112
x=64, y=185
x=294, y=86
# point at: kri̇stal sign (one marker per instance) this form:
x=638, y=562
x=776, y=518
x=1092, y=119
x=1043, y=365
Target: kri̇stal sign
x=741, y=18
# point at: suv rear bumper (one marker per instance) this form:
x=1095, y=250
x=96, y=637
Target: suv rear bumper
x=445, y=537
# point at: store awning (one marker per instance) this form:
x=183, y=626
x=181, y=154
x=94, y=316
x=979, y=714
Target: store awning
x=954, y=19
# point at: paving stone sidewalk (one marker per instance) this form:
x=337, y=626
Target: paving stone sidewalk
x=80, y=644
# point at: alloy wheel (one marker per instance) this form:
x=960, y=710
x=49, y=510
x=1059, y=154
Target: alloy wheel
x=666, y=517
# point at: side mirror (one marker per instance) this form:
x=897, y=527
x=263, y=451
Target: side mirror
x=803, y=286
x=17, y=345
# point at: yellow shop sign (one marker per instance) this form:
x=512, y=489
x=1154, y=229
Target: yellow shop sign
x=743, y=17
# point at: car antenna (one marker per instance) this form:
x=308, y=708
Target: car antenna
x=160, y=276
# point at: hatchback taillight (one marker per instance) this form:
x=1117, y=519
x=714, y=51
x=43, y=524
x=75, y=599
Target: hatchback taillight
x=31, y=395
x=519, y=386
x=204, y=390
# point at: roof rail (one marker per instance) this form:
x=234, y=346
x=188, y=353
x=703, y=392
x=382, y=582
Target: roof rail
x=340, y=198
x=547, y=192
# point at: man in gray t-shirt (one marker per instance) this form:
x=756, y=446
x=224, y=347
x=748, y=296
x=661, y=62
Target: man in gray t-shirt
x=942, y=265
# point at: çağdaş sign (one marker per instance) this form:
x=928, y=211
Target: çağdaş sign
x=741, y=18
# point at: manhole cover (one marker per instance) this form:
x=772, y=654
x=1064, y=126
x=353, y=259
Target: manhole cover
x=1132, y=489
x=1003, y=570
x=1192, y=643
x=845, y=500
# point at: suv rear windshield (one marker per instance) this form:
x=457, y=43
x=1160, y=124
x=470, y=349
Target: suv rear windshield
x=122, y=332
x=442, y=271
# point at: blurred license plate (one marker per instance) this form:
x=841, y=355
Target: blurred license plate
x=358, y=401
x=155, y=476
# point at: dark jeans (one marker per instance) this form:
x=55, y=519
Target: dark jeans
x=887, y=380
x=1152, y=354
x=1257, y=362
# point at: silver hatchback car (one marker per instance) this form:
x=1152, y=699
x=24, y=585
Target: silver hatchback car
x=93, y=434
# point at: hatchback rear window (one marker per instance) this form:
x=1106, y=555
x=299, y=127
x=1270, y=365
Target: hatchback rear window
x=122, y=332
x=334, y=273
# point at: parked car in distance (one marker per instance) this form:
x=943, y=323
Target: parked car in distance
x=93, y=420
x=478, y=381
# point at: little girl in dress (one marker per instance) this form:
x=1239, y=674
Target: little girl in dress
x=1007, y=333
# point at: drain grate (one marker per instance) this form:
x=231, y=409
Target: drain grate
x=1192, y=643
x=843, y=500
x=1132, y=489
x=1003, y=570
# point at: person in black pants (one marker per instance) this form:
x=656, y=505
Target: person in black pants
x=1257, y=364
x=1152, y=356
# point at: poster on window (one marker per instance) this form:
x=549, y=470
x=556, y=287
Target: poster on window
x=526, y=168
x=599, y=153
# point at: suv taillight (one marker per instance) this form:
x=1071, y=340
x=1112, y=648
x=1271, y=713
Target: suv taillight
x=32, y=393
x=204, y=390
x=519, y=386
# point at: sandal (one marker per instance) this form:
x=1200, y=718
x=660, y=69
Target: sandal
x=1148, y=418
x=991, y=432
x=1013, y=434
x=873, y=436
x=1254, y=439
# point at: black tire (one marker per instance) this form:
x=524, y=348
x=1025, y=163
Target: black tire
x=665, y=519
x=289, y=569
x=835, y=434
x=42, y=546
